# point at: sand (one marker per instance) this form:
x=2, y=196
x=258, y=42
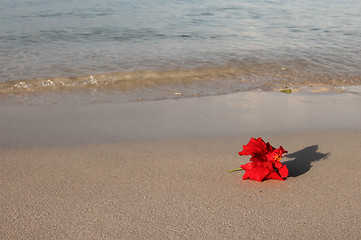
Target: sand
x=158, y=170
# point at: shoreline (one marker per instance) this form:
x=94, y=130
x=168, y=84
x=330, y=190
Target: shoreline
x=221, y=115
x=155, y=87
x=159, y=169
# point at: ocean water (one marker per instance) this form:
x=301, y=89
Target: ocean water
x=158, y=49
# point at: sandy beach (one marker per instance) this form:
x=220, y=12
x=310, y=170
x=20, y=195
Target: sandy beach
x=158, y=170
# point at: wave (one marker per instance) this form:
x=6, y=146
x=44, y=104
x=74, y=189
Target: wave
x=230, y=78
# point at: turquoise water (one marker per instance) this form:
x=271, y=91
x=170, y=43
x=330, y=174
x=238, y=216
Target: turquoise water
x=238, y=44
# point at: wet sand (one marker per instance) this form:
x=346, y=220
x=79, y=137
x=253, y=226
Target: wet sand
x=158, y=170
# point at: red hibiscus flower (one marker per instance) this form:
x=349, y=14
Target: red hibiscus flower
x=265, y=161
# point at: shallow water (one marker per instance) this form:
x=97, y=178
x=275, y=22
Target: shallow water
x=199, y=47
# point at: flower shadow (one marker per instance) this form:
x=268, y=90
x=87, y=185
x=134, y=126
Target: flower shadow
x=302, y=160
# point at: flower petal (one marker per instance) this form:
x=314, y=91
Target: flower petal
x=283, y=171
x=278, y=165
x=248, y=166
x=254, y=147
x=274, y=175
x=256, y=173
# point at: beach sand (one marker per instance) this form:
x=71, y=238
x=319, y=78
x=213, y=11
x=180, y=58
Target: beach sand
x=158, y=170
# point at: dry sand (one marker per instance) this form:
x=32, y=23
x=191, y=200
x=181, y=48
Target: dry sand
x=158, y=170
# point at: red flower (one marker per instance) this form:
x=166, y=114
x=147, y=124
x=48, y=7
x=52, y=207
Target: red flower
x=265, y=161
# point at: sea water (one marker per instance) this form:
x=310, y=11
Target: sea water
x=159, y=48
